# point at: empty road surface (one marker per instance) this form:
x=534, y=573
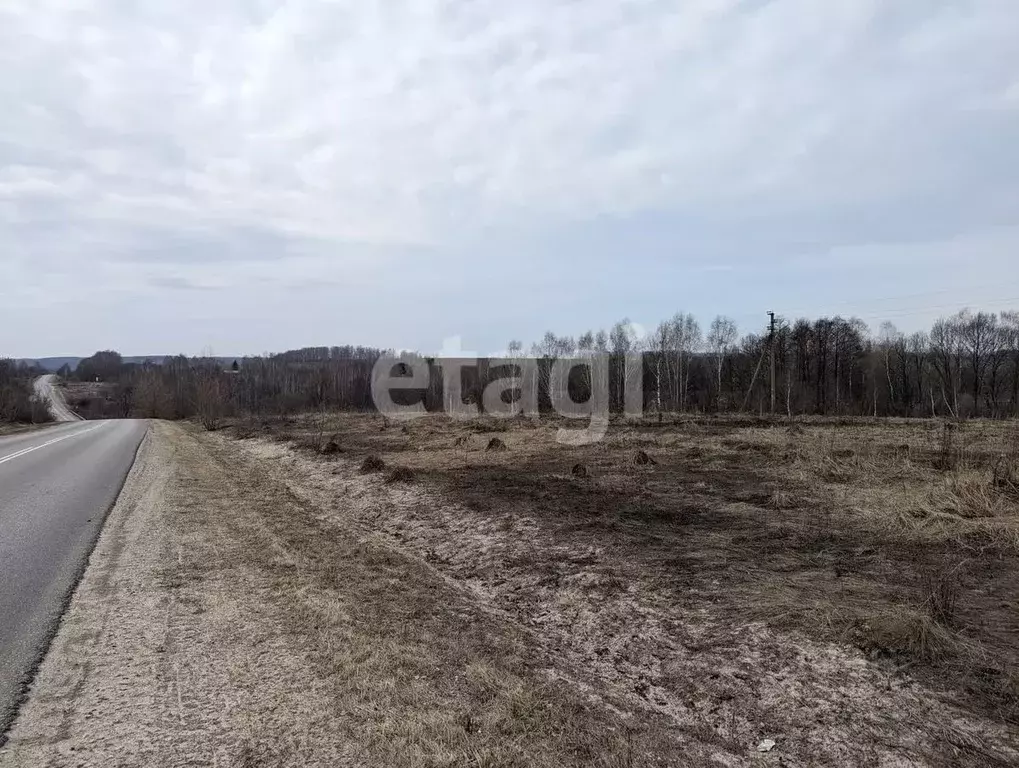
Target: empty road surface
x=56, y=486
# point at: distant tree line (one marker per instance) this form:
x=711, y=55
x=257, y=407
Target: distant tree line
x=967, y=365
x=17, y=401
x=205, y=388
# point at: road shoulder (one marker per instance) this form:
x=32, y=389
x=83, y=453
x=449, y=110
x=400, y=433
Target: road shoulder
x=10, y=430
x=224, y=620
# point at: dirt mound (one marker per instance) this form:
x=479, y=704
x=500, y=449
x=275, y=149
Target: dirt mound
x=641, y=459
x=495, y=444
x=400, y=475
x=329, y=447
x=580, y=470
x=372, y=464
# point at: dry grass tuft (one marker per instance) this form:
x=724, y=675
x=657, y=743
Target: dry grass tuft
x=372, y=464
x=642, y=459
x=909, y=633
x=963, y=509
x=965, y=496
x=781, y=500
x=941, y=591
x=400, y=475
x=836, y=471
x=330, y=447
x=948, y=452
x=1006, y=476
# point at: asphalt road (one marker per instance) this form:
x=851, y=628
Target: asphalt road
x=56, y=486
x=46, y=389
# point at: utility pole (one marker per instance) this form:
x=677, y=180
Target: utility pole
x=771, y=346
x=760, y=361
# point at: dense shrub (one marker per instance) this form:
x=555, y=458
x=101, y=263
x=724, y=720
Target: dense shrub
x=17, y=403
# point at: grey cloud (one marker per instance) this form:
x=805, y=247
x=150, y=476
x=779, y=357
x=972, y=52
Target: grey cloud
x=177, y=283
x=556, y=109
x=330, y=142
x=208, y=246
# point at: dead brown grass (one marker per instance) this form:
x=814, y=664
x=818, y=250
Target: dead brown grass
x=400, y=475
x=372, y=464
x=7, y=428
x=283, y=637
x=887, y=536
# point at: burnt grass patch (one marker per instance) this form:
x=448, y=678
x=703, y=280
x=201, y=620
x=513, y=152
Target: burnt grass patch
x=807, y=526
x=781, y=551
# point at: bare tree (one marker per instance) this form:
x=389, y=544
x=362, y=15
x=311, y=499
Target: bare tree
x=586, y=350
x=721, y=337
x=978, y=335
x=917, y=347
x=515, y=353
x=210, y=400
x=550, y=349
x=685, y=340
x=1010, y=324
x=622, y=340
x=999, y=350
x=152, y=398
x=946, y=357
x=662, y=343
x=889, y=341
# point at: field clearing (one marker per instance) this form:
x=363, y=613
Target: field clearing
x=846, y=588
x=90, y=399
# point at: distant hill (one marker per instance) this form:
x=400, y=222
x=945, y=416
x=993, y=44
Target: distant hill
x=54, y=364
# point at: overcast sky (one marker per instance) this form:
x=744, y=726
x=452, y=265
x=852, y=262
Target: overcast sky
x=251, y=175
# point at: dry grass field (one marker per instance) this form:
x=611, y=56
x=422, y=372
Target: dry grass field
x=849, y=589
x=224, y=621
x=88, y=398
